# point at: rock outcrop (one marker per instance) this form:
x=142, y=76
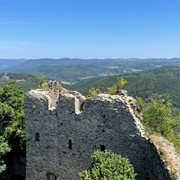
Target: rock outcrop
x=64, y=128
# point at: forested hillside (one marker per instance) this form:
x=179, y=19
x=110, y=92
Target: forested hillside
x=163, y=80
x=26, y=81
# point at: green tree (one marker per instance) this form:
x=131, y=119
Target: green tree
x=108, y=166
x=12, y=115
x=42, y=81
x=112, y=90
x=121, y=82
x=6, y=115
x=12, y=121
x=140, y=102
x=157, y=116
x=4, y=148
x=115, y=88
x=93, y=91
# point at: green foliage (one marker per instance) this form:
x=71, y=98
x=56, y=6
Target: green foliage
x=115, y=88
x=112, y=90
x=12, y=126
x=4, y=148
x=158, y=119
x=108, y=166
x=42, y=81
x=6, y=115
x=140, y=102
x=94, y=92
x=121, y=82
x=157, y=116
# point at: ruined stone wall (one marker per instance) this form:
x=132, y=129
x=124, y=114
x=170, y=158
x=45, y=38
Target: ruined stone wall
x=155, y=165
x=61, y=140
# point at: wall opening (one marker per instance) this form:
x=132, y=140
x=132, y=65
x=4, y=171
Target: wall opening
x=37, y=137
x=70, y=144
x=82, y=107
x=56, y=114
x=50, y=176
x=103, y=148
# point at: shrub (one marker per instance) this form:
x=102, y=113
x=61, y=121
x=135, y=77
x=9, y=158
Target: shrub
x=108, y=166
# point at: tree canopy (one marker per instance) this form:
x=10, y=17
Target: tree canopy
x=157, y=116
x=159, y=119
x=12, y=127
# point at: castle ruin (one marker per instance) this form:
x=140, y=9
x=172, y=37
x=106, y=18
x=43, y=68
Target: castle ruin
x=63, y=128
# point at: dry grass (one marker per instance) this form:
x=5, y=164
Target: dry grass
x=167, y=152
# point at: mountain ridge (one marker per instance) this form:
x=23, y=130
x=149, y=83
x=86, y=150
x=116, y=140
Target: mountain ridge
x=58, y=68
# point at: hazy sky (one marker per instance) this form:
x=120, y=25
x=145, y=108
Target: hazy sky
x=89, y=28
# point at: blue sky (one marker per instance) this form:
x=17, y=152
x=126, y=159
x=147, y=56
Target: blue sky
x=89, y=28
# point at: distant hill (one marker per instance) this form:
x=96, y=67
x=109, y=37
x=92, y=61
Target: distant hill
x=26, y=81
x=73, y=70
x=163, y=80
x=8, y=63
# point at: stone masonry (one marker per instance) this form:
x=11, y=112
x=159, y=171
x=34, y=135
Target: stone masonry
x=64, y=128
